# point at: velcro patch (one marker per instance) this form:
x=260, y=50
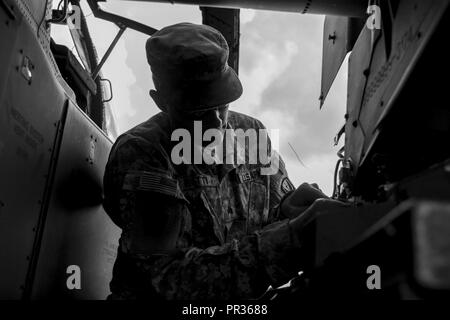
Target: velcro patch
x=206, y=181
x=152, y=181
x=286, y=185
x=247, y=175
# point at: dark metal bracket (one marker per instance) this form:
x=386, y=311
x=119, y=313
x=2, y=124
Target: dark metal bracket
x=122, y=22
x=63, y=16
x=108, y=52
x=119, y=20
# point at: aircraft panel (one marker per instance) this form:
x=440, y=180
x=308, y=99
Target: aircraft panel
x=371, y=96
x=77, y=231
x=30, y=109
x=36, y=8
x=10, y=22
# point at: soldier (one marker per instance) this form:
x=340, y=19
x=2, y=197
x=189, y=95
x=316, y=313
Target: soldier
x=198, y=231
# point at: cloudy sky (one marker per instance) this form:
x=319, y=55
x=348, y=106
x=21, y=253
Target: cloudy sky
x=280, y=69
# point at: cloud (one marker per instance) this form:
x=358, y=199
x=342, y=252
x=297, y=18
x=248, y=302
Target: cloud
x=281, y=60
x=270, y=64
x=320, y=170
x=280, y=71
x=246, y=16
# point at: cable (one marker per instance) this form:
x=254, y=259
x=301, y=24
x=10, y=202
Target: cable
x=59, y=5
x=42, y=19
x=334, y=194
x=64, y=16
x=340, y=160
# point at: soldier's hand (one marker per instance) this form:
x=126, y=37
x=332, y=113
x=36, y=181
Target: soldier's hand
x=300, y=200
x=319, y=207
x=306, y=230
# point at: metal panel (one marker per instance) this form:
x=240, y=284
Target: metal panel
x=30, y=109
x=413, y=27
x=432, y=184
x=350, y=8
x=357, y=63
x=375, y=80
x=227, y=22
x=339, y=36
x=77, y=230
x=341, y=230
x=10, y=21
x=36, y=8
x=410, y=245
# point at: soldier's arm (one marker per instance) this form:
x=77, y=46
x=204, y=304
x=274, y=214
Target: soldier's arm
x=240, y=269
x=281, y=188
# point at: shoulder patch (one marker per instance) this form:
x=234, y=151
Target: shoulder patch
x=286, y=185
x=152, y=181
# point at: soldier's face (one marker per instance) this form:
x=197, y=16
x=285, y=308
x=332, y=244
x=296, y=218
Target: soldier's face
x=216, y=118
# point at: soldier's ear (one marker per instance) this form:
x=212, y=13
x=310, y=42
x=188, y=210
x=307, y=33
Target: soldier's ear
x=156, y=96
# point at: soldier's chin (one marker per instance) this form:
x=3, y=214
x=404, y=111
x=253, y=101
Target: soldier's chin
x=218, y=137
x=220, y=129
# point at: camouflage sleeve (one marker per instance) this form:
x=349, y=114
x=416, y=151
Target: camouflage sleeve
x=280, y=187
x=128, y=156
x=240, y=269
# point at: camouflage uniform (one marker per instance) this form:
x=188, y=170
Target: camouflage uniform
x=231, y=239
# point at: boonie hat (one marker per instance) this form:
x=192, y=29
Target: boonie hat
x=189, y=65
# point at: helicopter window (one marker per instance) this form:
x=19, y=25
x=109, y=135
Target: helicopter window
x=73, y=72
x=61, y=34
x=71, y=58
x=74, y=54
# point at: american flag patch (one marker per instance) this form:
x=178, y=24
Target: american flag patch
x=152, y=181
